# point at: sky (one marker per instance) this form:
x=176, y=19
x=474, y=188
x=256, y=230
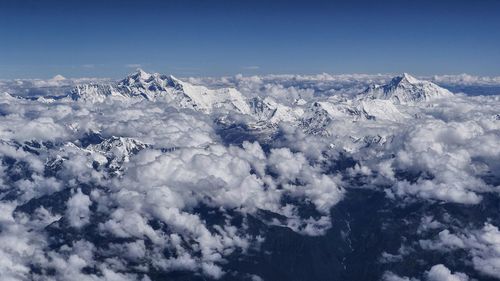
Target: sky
x=110, y=38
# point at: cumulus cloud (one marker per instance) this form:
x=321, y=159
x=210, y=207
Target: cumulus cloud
x=78, y=211
x=16, y=246
x=167, y=188
x=482, y=245
x=438, y=156
x=180, y=167
x=391, y=276
x=440, y=272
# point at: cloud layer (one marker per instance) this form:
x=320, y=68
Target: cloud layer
x=121, y=188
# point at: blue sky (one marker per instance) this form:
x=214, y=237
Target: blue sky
x=196, y=38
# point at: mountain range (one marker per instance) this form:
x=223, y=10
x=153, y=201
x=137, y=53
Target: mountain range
x=376, y=102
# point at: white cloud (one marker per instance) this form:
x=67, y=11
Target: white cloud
x=466, y=79
x=133, y=65
x=251, y=67
x=440, y=272
x=391, y=276
x=78, y=211
x=150, y=196
x=482, y=245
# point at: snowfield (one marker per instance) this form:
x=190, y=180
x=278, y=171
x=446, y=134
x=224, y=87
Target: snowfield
x=243, y=178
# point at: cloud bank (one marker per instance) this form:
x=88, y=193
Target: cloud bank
x=156, y=174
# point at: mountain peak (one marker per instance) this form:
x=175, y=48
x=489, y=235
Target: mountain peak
x=406, y=89
x=407, y=76
x=58, y=77
x=404, y=78
x=173, y=78
x=139, y=74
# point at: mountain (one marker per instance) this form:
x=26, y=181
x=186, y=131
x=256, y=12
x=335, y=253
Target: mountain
x=318, y=116
x=380, y=110
x=207, y=100
x=316, y=119
x=269, y=111
x=145, y=86
x=406, y=89
x=376, y=102
x=117, y=150
x=95, y=93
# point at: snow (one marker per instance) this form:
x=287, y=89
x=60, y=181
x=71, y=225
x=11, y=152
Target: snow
x=58, y=77
x=406, y=89
x=269, y=110
x=142, y=85
x=382, y=109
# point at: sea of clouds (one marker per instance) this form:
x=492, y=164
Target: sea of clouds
x=183, y=198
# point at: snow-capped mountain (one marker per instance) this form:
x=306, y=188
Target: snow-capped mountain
x=117, y=150
x=148, y=86
x=380, y=110
x=319, y=115
x=377, y=102
x=208, y=100
x=316, y=119
x=142, y=85
x=270, y=111
x=406, y=89
x=94, y=93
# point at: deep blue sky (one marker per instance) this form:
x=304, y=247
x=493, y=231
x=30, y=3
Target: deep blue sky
x=107, y=38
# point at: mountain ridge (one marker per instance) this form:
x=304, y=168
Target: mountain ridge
x=406, y=89
x=376, y=102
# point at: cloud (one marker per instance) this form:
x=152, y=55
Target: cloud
x=440, y=272
x=251, y=67
x=133, y=65
x=14, y=246
x=466, y=80
x=77, y=211
x=183, y=167
x=482, y=246
x=58, y=77
x=171, y=191
x=390, y=276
